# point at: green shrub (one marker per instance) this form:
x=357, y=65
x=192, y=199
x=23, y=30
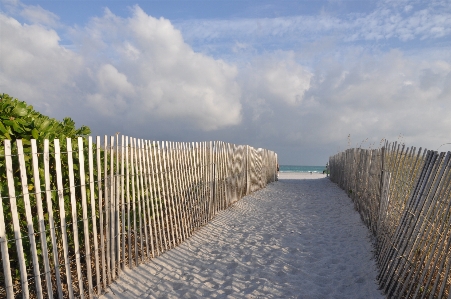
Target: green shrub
x=18, y=120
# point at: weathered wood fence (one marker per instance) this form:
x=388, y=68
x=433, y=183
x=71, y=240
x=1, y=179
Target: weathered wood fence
x=403, y=196
x=73, y=216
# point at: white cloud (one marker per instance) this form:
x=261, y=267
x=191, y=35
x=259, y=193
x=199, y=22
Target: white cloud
x=38, y=15
x=258, y=28
x=33, y=65
x=383, y=96
x=110, y=80
x=139, y=68
x=370, y=97
x=405, y=23
x=112, y=89
x=273, y=97
x=169, y=80
x=277, y=78
x=390, y=20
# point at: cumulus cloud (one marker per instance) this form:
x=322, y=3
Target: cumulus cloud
x=33, y=64
x=165, y=78
x=274, y=80
x=138, y=68
x=376, y=97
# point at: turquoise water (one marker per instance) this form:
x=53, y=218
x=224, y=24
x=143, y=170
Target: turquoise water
x=295, y=168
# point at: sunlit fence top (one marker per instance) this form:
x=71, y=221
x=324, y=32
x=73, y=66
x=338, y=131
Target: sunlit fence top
x=75, y=213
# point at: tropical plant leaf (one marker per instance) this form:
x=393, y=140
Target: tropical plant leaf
x=35, y=133
x=2, y=128
x=20, y=111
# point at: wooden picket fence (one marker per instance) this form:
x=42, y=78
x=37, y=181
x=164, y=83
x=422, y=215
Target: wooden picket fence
x=404, y=197
x=74, y=216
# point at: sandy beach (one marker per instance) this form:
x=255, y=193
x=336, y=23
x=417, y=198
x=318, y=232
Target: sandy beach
x=298, y=238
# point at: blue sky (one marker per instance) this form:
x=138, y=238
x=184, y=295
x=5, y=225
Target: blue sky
x=296, y=77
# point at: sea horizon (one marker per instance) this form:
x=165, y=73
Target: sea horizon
x=300, y=168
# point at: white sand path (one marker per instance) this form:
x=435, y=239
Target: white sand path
x=298, y=238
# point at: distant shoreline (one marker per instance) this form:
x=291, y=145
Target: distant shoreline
x=300, y=175
x=301, y=169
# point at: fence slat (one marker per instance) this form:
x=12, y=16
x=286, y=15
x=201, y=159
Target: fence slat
x=204, y=183
x=5, y=254
x=163, y=228
x=142, y=199
x=196, y=183
x=139, y=199
x=155, y=196
x=117, y=199
x=152, y=191
x=62, y=212
x=164, y=196
x=212, y=178
x=48, y=197
x=81, y=168
x=446, y=274
x=15, y=216
x=133, y=164
x=42, y=234
x=180, y=190
x=123, y=233
x=188, y=183
x=112, y=209
x=101, y=209
x=127, y=183
x=29, y=218
x=107, y=186
x=93, y=211
x=168, y=195
x=174, y=194
x=73, y=204
x=148, y=196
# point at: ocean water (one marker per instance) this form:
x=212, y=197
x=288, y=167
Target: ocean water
x=296, y=168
